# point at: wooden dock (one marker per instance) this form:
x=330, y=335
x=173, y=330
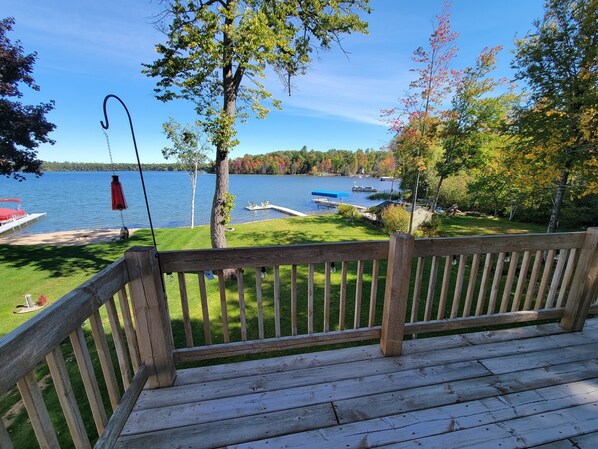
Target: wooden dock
x=514, y=388
x=284, y=210
x=324, y=202
x=21, y=222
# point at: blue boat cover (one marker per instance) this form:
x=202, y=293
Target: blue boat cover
x=330, y=194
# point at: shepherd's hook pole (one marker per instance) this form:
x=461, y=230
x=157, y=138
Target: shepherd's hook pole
x=106, y=126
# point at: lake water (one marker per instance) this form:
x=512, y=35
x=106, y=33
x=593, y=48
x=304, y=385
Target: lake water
x=81, y=200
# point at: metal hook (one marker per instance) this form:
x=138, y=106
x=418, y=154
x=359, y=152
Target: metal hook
x=106, y=126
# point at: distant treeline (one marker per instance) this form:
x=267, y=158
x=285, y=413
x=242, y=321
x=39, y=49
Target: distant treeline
x=304, y=162
x=96, y=166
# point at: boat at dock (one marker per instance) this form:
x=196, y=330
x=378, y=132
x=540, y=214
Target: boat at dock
x=15, y=218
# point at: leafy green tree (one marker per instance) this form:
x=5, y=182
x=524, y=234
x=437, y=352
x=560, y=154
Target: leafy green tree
x=557, y=61
x=216, y=55
x=188, y=149
x=22, y=127
x=472, y=118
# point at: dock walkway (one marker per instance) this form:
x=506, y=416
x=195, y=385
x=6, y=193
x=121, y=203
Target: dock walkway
x=325, y=202
x=284, y=210
x=20, y=222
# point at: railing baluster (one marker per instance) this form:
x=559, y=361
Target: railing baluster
x=484, y=284
x=97, y=330
x=521, y=281
x=326, y=297
x=260, y=306
x=223, y=309
x=473, y=274
x=129, y=328
x=343, y=297
x=205, y=311
x=458, y=286
x=90, y=381
x=506, y=295
x=374, y=292
x=446, y=281
x=37, y=411
x=419, y=272
x=294, y=300
x=567, y=277
x=545, y=276
x=185, y=307
x=242, y=316
x=531, y=287
x=277, y=301
x=431, y=289
x=5, y=442
x=310, y=298
x=496, y=283
x=119, y=343
x=556, y=278
x=67, y=399
x=358, y=295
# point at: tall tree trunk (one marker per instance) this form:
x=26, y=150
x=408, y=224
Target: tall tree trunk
x=558, y=202
x=435, y=202
x=193, y=189
x=230, y=83
x=414, y=201
x=217, y=219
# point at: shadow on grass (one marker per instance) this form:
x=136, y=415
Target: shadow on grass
x=64, y=260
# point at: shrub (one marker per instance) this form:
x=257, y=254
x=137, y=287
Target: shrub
x=395, y=219
x=395, y=196
x=429, y=229
x=347, y=211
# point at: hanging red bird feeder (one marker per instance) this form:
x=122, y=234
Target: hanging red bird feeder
x=118, y=196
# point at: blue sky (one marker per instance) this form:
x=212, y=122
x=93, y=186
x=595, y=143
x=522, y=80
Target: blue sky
x=88, y=49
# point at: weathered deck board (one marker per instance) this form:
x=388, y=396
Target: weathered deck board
x=526, y=387
x=202, y=391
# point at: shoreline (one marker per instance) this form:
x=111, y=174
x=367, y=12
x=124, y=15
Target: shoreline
x=66, y=238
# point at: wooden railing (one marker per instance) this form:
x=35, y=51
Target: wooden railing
x=406, y=286
x=248, y=300
x=82, y=317
x=262, y=299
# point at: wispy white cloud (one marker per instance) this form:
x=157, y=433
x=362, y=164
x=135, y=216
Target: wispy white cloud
x=331, y=92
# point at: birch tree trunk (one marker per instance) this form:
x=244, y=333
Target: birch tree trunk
x=558, y=202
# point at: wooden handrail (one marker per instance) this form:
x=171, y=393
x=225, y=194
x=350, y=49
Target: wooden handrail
x=192, y=261
x=448, y=246
x=23, y=348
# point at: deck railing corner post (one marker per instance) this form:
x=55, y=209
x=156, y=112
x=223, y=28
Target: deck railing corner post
x=400, y=254
x=584, y=287
x=154, y=331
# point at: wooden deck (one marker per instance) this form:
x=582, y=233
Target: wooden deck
x=527, y=387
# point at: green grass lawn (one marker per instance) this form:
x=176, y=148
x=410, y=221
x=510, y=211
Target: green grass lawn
x=461, y=225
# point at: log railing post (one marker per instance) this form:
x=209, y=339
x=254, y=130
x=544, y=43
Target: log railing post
x=584, y=288
x=400, y=253
x=154, y=331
